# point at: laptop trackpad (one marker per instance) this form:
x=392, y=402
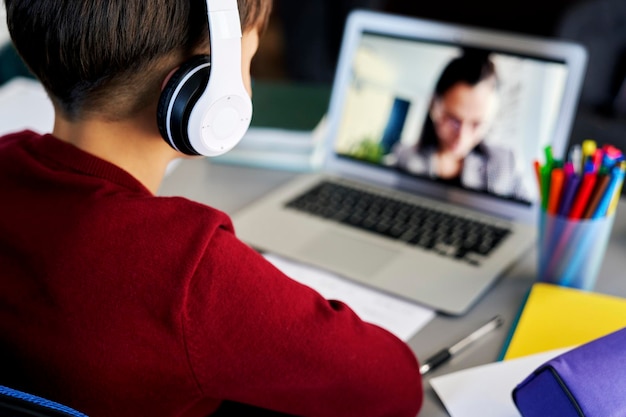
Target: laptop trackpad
x=340, y=252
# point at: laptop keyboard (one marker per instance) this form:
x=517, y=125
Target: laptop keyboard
x=443, y=233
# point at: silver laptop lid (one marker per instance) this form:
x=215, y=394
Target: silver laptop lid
x=386, y=75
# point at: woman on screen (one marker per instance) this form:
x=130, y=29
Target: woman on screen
x=452, y=146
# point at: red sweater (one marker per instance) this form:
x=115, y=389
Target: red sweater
x=121, y=303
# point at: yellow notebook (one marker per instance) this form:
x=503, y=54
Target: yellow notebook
x=555, y=317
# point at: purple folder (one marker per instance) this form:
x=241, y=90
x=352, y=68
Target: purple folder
x=588, y=381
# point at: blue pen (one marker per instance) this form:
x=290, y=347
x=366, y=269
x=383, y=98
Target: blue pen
x=589, y=166
x=608, y=162
x=617, y=176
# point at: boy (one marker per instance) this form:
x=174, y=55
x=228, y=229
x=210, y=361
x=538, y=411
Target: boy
x=120, y=303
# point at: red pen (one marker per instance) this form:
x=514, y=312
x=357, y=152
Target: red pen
x=612, y=152
x=598, y=155
x=582, y=196
x=537, y=167
x=556, y=186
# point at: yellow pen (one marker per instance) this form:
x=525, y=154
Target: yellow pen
x=618, y=191
x=588, y=149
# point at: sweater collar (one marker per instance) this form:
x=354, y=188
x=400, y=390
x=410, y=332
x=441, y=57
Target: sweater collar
x=68, y=156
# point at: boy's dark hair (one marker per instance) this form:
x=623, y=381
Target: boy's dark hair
x=110, y=57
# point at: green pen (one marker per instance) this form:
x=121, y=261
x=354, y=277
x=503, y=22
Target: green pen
x=546, y=173
x=549, y=156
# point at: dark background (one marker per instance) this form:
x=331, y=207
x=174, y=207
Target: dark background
x=303, y=38
x=302, y=41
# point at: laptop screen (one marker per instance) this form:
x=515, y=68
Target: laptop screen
x=462, y=116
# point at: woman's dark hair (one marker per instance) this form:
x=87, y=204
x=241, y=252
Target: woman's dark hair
x=110, y=57
x=472, y=67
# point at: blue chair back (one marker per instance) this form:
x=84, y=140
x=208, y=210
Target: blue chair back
x=14, y=403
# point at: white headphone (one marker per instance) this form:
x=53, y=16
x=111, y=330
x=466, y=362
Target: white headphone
x=204, y=108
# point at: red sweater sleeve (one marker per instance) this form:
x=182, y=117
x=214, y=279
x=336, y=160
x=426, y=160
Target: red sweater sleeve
x=152, y=306
x=256, y=336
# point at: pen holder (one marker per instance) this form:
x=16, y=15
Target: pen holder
x=571, y=250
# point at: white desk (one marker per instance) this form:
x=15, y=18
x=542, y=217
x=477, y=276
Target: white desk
x=230, y=188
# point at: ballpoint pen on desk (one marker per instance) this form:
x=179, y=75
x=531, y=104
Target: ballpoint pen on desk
x=447, y=353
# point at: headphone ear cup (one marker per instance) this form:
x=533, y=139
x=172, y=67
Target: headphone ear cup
x=178, y=98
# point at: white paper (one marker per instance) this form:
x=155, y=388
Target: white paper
x=400, y=317
x=486, y=391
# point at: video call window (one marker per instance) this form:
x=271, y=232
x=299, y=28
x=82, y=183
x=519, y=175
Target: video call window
x=482, y=144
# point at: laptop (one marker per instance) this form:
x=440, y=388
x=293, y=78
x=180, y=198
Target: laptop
x=443, y=243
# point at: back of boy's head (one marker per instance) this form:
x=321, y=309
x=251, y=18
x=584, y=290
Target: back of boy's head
x=109, y=58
